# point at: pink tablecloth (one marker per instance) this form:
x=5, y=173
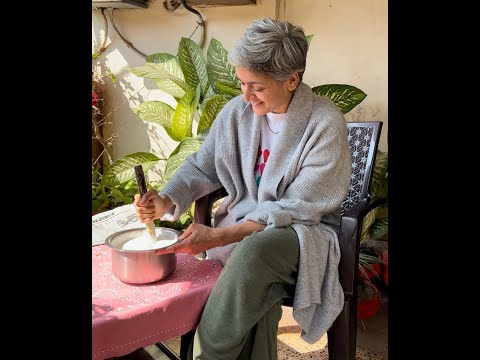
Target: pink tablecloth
x=127, y=317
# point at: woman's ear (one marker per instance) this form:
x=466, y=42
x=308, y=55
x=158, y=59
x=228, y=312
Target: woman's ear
x=293, y=81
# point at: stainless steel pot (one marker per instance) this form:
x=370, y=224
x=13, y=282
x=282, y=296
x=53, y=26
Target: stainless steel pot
x=140, y=266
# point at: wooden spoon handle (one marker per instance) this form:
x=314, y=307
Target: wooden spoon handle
x=142, y=189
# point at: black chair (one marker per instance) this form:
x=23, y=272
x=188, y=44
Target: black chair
x=363, y=139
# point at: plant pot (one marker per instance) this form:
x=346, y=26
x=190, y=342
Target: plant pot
x=371, y=275
x=368, y=300
x=141, y=266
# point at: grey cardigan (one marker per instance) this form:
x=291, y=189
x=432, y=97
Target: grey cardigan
x=303, y=185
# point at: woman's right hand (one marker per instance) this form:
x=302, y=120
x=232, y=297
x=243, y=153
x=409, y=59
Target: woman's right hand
x=151, y=206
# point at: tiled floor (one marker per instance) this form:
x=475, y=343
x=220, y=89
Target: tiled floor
x=372, y=340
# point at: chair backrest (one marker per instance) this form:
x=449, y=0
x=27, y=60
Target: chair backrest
x=363, y=139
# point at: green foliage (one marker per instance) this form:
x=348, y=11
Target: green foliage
x=346, y=97
x=106, y=197
x=365, y=261
x=375, y=223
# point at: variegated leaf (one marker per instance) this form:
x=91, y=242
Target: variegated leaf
x=218, y=68
x=157, y=112
x=168, y=62
x=122, y=169
x=207, y=96
x=193, y=64
x=227, y=90
x=209, y=113
x=183, y=116
x=186, y=147
x=170, y=87
x=159, y=72
x=346, y=97
x=379, y=181
x=367, y=222
x=379, y=228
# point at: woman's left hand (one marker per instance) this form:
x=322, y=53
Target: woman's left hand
x=196, y=239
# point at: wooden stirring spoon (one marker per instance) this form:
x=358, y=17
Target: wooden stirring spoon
x=142, y=189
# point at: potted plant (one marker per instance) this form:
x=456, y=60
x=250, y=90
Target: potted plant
x=369, y=265
x=368, y=300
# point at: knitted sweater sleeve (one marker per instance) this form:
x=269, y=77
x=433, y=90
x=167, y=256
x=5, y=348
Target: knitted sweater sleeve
x=197, y=175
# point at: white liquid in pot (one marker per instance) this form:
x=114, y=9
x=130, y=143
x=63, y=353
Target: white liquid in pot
x=145, y=242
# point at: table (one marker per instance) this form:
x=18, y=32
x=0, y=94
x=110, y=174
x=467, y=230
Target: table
x=126, y=317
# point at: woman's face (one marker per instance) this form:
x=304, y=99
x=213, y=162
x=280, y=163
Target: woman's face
x=265, y=94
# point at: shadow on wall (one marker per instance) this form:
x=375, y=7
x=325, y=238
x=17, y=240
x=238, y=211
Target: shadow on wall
x=122, y=125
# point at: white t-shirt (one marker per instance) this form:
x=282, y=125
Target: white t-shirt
x=271, y=126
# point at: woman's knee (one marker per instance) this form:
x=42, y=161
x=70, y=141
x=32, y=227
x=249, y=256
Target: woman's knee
x=275, y=242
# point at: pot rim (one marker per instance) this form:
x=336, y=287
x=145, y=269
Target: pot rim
x=109, y=238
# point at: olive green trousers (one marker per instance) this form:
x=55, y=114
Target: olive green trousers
x=240, y=319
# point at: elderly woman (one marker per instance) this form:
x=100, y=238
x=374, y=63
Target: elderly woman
x=281, y=152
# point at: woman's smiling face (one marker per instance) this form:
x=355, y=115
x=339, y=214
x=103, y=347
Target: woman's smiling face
x=264, y=93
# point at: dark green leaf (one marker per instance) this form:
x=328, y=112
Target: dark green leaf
x=185, y=148
x=218, y=68
x=210, y=112
x=379, y=183
x=227, y=90
x=346, y=97
x=193, y=64
x=122, y=169
x=379, y=228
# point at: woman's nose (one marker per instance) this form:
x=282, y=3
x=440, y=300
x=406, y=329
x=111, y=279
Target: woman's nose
x=246, y=93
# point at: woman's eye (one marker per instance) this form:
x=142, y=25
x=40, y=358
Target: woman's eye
x=257, y=90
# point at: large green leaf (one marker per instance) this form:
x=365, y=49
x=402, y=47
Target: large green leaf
x=210, y=111
x=168, y=62
x=157, y=112
x=346, y=97
x=122, y=169
x=218, y=68
x=183, y=116
x=379, y=183
x=193, y=64
x=227, y=90
x=368, y=220
x=208, y=95
x=160, y=73
x=186, y=147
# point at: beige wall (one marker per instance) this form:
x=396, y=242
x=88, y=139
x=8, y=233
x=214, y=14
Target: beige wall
x=349, y=46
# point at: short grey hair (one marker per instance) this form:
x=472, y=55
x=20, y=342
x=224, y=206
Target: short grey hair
x=275, y=48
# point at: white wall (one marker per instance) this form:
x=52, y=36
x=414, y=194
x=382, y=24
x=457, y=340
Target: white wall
x=349, y=47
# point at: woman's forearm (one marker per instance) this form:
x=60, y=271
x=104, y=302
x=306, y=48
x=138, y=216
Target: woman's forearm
x=235, y=233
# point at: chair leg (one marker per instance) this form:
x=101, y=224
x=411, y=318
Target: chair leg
x=186, y=345
x=342, y=336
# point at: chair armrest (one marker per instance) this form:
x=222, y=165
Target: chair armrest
x=203, y=206
x=364, y=206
